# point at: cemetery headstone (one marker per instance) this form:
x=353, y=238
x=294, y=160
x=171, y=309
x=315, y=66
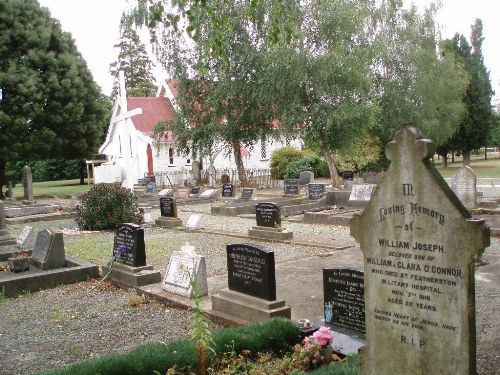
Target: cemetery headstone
x=208, y=193
x=347, y=176
x=419, y=245
x=247, y=193
x=129, y=247
x=195, y=190
x=168, y=207
x=344, y=298
x=183, y=267
x=22, y=240
x=166, y=193
x=193, y=222
x=361, y=193
x=3, y=221
x=268, y=214
x=5, y=238
x=10, y=192
x=463, y=184
x=251, y=271
x=28, y=185
x=306, y=177
x=151, y=187
x=228, y=190
x=212, y=176
x=225, y=178
x=48, y=252
x=315, y=191
x=291, y=187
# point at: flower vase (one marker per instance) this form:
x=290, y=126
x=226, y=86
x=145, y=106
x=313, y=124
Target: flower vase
x=19, y=264
x=327, y=353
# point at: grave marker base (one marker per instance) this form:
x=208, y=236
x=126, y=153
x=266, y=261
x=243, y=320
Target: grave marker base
x=248, y=308
x=269, y=233
x=124, y=275
x=168, y=222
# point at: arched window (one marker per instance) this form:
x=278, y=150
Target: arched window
x=170, y=155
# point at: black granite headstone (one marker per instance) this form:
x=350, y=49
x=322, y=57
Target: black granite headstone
x=344, y=298
x=129, y=247
x=315, y=191
x=251, y=271
x=228, y=190
x=195, y=190
x=348, y=175
x=247, y=193
x=268, y=214
x=291, y=187
x=168, y=207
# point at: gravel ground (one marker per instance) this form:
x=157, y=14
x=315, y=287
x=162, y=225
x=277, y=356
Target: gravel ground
x=61, y=326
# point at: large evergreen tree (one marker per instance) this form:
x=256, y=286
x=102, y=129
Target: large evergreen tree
x=473, y=131
x=49, y=104
x=135, y=63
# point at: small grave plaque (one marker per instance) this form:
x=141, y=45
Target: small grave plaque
x=315, y=191
x=166, y=193
x=48, y=252
x=129, y=247
x=419, y=245
x=291, y=187
x=268, y=214
x=361, y=192
x=247, y=193
x=193, y=222
x=251, y=271
x=168, y=207
x=344, y=298
x=208, y=193
x=348, y=176
x=22, y=240
x=228, y=190
x=151, y=187
x=195, y=190
x=463, y=185
x=179, y=271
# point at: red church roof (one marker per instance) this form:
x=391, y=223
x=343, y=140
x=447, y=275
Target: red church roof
x=154, y=110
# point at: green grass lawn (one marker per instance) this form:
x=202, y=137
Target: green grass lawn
x=48, y=188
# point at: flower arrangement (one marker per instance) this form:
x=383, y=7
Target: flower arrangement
x=310, y=353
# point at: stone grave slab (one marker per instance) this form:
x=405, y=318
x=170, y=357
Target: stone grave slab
x=419, y=245
x=344, y=298
x=209, y=193
x=166, y=193
x=22, y=241
x=251, y=293
x=183, y=267
x=48, y=252
x=315, y=191
x=463, y=184
x=228, y=191
x=291, y=187
x=194, y=222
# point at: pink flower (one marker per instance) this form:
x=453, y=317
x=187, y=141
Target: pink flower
x=323, y=336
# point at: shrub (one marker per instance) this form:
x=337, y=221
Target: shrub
x=105, y=205
x=281, y=159
x=308, y=163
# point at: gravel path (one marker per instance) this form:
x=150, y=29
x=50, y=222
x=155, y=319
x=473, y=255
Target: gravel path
x=65, y=325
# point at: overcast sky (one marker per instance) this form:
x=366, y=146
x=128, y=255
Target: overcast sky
x=94, y=24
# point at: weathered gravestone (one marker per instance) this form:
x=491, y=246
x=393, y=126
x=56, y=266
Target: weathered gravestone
x=5, y=238
x=212, y=175
x=28, y=185
x=195, y=191
x=306, y=177
x=186, y=271
x=344, y=298
x=463, y=185
x=10, y=192
x=247, y=193
x=22, y=241
x=209, y=193
x=48, y=252
x=315, y=191
x=166, y=193
x=361, y=194
x=252, y=285
x=268, y=218
x=194, y=222
x=228, y=190
x=419, y=245
x=196, y=169
x=291, y=187
x=129, y=247
x=168, y=212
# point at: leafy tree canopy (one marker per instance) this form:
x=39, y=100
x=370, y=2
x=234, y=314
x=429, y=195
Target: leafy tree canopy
x=49, y=104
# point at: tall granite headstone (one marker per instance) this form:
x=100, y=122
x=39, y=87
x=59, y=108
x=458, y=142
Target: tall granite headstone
x=250, y=270
x=463, y=184
x=419, y=244
x=344, y=298
x=129, y=247
x=28, y=185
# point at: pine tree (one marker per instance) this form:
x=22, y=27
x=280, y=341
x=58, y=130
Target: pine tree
x=133, y=60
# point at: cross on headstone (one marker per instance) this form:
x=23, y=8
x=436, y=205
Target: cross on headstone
x=419, y=245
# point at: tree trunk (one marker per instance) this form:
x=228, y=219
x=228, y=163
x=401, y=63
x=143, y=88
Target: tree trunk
x=239, y=163
x=444, y=155
x=466, y=158
x=334, y=176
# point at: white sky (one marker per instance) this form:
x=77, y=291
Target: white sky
x=94, y=24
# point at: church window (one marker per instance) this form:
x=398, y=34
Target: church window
x=170, y=155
